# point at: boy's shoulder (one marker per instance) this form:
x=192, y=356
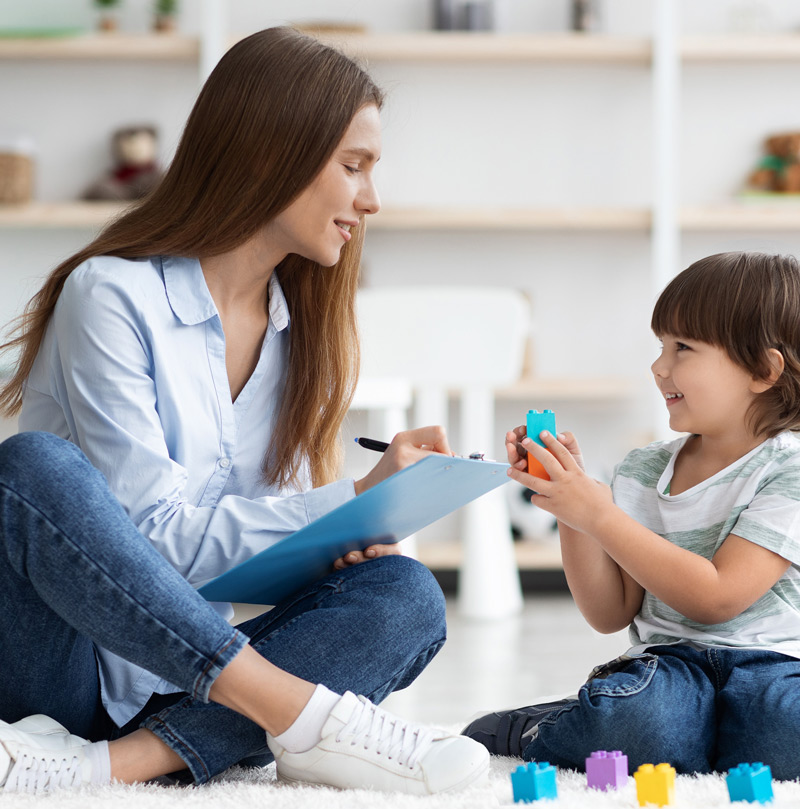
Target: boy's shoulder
x=647, y=463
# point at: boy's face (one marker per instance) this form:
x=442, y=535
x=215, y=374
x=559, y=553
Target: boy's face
x=705, y=391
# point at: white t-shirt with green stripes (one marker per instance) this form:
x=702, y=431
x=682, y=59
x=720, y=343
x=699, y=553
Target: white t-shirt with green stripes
x=756, y=498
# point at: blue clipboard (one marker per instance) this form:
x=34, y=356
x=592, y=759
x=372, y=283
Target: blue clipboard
x=388, y=512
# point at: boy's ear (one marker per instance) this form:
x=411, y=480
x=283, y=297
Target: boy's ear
x=776, y=365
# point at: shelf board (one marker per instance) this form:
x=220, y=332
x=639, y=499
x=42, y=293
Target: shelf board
x=500, y=219
x=567, y=389
x=112, y=47
x=455, y=46
x=95, y=214
x=425, y=46
x=741, y=48
x=760, y=214
x=442, y=555
x=59, y=214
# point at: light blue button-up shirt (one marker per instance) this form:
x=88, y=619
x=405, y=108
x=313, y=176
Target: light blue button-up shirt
x=132, y=370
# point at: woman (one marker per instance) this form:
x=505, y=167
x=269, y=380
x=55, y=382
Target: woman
x=201, y=353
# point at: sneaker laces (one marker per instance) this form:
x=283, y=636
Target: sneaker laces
x=389, y=734
x=36, y=774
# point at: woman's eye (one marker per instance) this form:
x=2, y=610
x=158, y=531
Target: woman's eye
x=352, y=169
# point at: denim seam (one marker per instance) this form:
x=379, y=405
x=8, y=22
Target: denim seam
x=194, y=762
x=200, y=679
x=553, y=716
x=626, y=690
x=102, y=571
x=713, y=659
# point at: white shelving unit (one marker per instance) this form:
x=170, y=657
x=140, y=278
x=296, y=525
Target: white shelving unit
x=662, y=223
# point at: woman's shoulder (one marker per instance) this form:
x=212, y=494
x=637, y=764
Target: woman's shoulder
x=113, y=280
x=115, y=271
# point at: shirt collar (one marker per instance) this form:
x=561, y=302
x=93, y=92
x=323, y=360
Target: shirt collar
x=278, y=308
x=191, y=301
x=187, y=291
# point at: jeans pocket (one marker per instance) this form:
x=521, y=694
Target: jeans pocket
x=623, y=676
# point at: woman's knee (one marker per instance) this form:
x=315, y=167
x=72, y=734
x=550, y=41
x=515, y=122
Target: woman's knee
x=409, y=594
x=32, y=460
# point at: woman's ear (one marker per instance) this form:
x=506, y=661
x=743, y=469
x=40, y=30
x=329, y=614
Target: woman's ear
x=776, y=365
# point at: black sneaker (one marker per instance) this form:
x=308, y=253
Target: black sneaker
x=508, y=733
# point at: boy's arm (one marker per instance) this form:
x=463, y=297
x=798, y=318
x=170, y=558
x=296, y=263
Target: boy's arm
x=607, y=597
x=706, y=591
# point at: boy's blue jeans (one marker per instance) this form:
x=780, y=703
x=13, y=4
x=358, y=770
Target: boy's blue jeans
x=74, y=571
x=701, y=711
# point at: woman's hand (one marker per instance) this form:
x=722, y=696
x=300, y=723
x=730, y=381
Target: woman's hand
x=372, y=552
x=570, y=495
x=406, y=448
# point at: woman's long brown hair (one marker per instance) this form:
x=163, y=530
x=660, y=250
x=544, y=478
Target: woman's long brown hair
x=266, y=122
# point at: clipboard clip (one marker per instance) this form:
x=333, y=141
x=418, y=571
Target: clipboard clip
x=479, y=456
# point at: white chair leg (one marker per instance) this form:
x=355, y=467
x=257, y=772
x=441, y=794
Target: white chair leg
x=488, y=585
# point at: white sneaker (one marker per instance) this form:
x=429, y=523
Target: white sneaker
x=366, y=747
x=37, y=754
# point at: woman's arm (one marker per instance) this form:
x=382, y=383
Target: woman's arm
x=706, y=591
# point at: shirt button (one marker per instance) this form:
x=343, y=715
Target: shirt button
x=224, y=462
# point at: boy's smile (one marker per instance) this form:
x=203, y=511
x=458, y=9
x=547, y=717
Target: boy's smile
x=705, y=391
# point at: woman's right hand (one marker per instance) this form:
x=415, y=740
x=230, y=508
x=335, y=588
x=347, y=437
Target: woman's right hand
x=406, y=448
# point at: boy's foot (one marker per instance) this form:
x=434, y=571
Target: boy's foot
x=37, y=754
x=508, y=733
x=366, y=747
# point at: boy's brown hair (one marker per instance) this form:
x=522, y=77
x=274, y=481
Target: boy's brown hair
x=745, y=303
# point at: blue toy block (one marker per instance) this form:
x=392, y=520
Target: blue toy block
x=535, y=422
x=606, y=770
x=750, y=782
x=534, y=781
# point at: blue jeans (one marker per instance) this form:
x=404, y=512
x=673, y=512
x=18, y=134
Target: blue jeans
x=75, y=572
x=701, y=711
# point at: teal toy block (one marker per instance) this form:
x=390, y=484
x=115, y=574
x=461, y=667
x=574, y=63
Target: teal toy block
x=534, y=781
x=535, y=422
x=750, y=782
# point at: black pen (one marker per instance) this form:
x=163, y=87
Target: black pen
x=371, y=443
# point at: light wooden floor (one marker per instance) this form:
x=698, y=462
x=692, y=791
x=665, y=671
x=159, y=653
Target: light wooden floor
x=546, y=650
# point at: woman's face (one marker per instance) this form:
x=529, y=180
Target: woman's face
x=317, y=224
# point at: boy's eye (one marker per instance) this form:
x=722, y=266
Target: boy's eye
x=681, y=347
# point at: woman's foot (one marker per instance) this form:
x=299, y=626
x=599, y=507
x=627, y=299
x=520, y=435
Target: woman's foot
x=38, y=755
x=365, y=747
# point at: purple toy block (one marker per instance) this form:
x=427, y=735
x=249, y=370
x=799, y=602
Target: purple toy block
x=607, y=770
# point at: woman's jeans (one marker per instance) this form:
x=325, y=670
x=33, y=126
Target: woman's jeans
x=699, y=710
x=74, y=571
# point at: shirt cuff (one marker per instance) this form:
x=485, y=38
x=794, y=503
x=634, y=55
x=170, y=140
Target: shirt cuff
x=323, y=499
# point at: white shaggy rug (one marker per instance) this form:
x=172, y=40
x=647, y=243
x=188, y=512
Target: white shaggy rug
x=258, y=789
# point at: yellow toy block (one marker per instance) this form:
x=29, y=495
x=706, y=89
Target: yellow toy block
x=655, y=784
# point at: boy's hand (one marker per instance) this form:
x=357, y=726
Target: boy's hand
x=570, y=495
x=518, y=456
